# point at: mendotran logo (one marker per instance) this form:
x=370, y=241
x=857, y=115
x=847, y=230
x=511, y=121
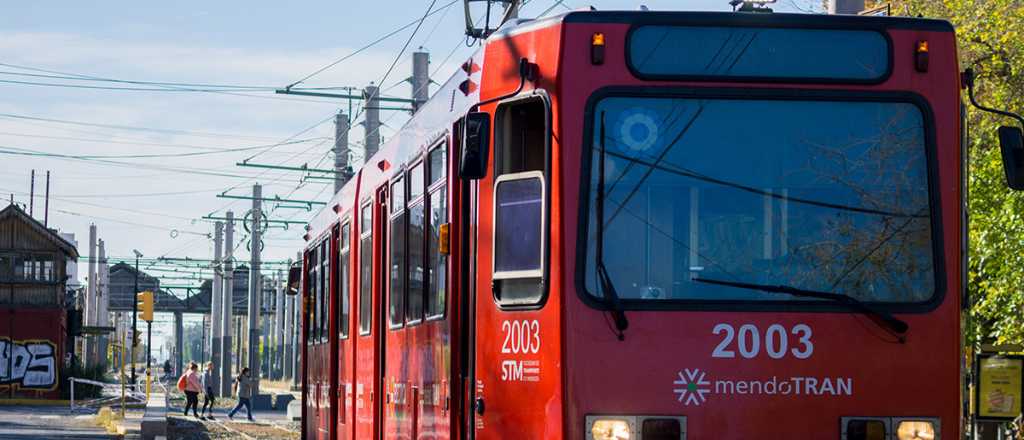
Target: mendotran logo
x=692, y=386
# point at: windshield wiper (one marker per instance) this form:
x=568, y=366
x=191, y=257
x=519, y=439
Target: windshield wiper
x=885, y=318
x=611, y=296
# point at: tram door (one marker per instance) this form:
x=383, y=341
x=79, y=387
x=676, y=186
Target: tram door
x=368, y=394
x=514, y=381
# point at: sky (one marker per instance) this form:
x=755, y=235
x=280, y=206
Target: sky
x=145, y=166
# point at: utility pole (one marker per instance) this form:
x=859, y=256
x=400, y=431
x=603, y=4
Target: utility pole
x=286, y=356
x=216, y=303
x=102, y=303
x=371, y=121
x=46, y=201
x=845, y=7
x=179, y=342
x=341, y=165
x=90, y=298
x=296, y=332
x=228, y=302
x=255, y=287
x=135, y=315
x=278, y=326
x=420, y=78
x=32, y=195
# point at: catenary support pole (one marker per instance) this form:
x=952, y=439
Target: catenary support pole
x=216, y=302
x=341, y=151
x=296, y=330
x=278, y=326
x=90, y=299
x=229, y=304
x=179, y=342
x=420, y=78
x=255, y=287
x=286, y=355
x=102, y=303
x=371, y=121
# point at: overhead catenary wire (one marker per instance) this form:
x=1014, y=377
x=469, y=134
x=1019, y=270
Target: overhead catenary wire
x=371, y=44
x=107, y=162
x=160, y=155
x=134, y=128
x=161, y=87
x=149, y=144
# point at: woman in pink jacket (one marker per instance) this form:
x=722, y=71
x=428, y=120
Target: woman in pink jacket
x=193, y=385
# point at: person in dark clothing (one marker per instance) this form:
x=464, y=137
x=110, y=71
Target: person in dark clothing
x=208, y=399
x=245, y=387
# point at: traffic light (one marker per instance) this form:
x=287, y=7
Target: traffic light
x=145, y=305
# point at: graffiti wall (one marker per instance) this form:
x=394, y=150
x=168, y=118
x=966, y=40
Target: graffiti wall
x=32, y=352
x=28, y=364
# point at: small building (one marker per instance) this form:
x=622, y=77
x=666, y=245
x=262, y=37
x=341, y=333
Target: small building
x=34, y=341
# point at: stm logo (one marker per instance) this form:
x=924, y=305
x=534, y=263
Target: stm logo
x=692, y=387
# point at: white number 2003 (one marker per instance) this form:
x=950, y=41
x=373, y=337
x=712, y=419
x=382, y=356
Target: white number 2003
x=776, y=341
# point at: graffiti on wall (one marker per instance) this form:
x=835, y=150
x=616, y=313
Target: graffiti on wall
x=28, y=364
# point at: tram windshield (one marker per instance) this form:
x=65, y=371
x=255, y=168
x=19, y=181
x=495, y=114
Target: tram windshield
x=826, y=195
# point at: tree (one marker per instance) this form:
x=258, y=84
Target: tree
x=990, y=39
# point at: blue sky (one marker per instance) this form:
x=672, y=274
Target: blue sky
x=139, y=201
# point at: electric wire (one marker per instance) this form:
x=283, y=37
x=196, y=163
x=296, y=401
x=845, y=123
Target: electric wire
x=134, y=128
x=369, y=45
x=148, y=144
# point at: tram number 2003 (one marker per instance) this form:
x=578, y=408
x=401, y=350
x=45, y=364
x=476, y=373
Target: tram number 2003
x=778, y=342
x=521, y=336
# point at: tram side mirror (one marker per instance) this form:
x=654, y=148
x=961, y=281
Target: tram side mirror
x=294, y=279
x=476, y=139
x=1011, y=142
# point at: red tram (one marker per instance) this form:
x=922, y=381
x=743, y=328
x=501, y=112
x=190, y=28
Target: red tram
x=655, y=225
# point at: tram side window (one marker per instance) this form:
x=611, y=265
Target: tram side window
x=520, y=202
x=342, y=282
x=324, y=290
x=417, y=269
x=312, y=265
x=366, y=269
x=437, y=263
x=396, y=256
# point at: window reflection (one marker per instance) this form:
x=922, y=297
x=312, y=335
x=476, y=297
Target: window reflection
x=812, y=194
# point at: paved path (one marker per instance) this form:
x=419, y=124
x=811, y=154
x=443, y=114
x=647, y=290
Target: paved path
x=47, y=422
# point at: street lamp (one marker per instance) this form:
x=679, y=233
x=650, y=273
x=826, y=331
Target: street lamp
x=135, y=313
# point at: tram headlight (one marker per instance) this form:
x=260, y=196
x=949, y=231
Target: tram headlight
x=610, y=427
x=916, y=430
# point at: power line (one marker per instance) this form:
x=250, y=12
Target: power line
x=141, y=225
x=163, y=87
x=77, y=202
x=371, y=44
x=133, y=128
x=184, y=170
x=142, y=143
x=165, y=155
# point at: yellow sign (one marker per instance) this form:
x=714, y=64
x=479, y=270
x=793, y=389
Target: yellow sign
x=999, y=387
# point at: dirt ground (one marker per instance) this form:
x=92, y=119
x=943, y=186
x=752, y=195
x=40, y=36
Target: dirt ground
x=188, y=428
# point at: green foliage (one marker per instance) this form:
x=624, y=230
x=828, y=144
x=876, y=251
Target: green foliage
x=990, y=39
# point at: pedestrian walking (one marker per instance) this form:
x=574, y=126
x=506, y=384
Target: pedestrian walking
x=193, y=385
x=208, y=399
x=244, y=387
